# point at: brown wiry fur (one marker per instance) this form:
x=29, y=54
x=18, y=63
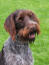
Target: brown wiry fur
x=10, y=26
x=22, y=25
x=10, y=23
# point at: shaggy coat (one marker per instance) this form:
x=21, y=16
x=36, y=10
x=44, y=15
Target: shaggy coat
x=22, y=25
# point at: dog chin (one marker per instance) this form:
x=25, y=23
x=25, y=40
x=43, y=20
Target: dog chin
x=31, y=40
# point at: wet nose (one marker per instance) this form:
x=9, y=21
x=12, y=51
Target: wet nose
x=33, y=28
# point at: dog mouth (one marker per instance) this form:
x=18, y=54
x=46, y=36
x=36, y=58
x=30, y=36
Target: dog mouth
x=32, y=35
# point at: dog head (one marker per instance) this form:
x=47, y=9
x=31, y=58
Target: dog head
x=23, y=23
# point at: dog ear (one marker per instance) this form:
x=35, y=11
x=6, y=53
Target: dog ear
x=9, y=25
x=35, y=18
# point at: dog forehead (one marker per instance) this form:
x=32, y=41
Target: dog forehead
x=24, y=12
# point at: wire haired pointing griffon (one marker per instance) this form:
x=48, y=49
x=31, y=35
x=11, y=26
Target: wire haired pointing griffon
x=22, y=25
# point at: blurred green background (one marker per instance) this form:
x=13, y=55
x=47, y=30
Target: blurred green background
x=40, y=48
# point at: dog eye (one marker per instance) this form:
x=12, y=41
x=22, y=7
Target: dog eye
x=19, y=25
x=30, y=16
x=21, y=18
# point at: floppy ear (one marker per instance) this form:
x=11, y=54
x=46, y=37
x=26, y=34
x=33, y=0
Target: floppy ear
x=35, y=18
x=9, y=25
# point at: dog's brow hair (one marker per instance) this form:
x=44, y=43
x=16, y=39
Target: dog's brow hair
x=33, y=22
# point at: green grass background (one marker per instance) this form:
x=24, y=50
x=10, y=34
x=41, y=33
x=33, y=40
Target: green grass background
x=40, y=48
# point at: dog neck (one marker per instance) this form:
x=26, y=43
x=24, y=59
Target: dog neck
x=19, y=46
x=18, y=41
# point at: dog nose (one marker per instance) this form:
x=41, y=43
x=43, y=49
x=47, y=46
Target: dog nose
x=33, y=28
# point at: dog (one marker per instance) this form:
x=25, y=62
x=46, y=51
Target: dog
x=22, y=25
